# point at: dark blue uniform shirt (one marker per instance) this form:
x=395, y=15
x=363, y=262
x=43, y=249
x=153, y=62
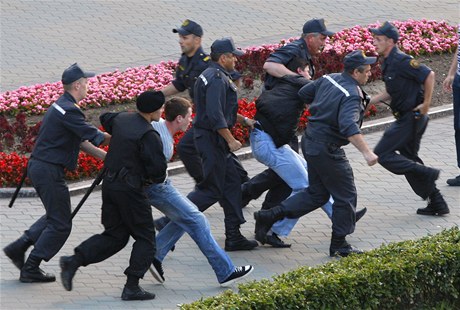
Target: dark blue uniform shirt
x=404, y=78
x=62, y=130
x=284, y=54
x=188, y=70
x=216, y=99
x=337, y=108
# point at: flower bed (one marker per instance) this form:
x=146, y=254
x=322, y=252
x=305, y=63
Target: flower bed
x=113, y=88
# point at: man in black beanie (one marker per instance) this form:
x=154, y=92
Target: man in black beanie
x=135, y=159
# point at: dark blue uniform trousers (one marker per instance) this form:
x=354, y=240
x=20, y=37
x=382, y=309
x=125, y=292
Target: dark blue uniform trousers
x=50, y=232
x=398, y=151
x=221, y=177
x=124, y=214
x=329, y=174
x=456, y=93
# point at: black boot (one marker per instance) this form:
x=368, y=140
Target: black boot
x=340, y=247
x=31, y=272
x=69, y=265
x=276, y=242
x=235, y=241
x=17, y=249
x=136, y=293
x=436, y=205
x=265, y=220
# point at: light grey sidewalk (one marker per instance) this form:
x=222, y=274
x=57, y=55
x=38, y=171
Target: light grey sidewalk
x=39, y=38
x=391, y=217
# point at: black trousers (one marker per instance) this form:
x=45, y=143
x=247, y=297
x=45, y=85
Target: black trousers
x=221, y=177
x=329, y=174
x=124, y=214
x=192, y=161
x=50, y=232
x=398, y=151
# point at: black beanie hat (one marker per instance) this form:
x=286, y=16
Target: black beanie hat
x=150, y=101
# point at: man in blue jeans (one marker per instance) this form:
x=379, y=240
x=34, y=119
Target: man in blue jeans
x=452, y=83
x=184, y=215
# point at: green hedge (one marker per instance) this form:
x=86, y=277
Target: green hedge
x=420, y=274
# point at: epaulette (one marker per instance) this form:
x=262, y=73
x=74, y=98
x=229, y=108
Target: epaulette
x=204, y=57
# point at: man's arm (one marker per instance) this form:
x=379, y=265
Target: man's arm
x=377, y=99
x=449, y=80
x=90, y=149
x=233, y=144
x=244, y=121
x=427, y=95
x=358, y=141
x=277, y=70
x=170, y=90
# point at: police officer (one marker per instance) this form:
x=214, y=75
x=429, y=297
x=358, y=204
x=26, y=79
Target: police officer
x=310, y=44
x=409, y=85
x=62, y=134
x=216, y=111
x=337, y=108
x=192, y=63
x=135, y=159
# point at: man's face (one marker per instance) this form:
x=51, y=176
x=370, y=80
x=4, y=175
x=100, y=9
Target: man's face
x=189, y=44
x=186, y=120
x=305, y=72
x=316, y=44
x=229, y=62
x=82, y=88
x=382, y=44
x=362, y=77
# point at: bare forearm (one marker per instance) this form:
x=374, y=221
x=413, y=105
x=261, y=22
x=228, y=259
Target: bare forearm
x=92, y=150
x=169, y=90
x=277, y=70
x=358, y=141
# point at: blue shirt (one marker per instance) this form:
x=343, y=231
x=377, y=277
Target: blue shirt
x=62, y=131
x=404, y=77
x=216, y=101
x=337, y=108
x=285, y=54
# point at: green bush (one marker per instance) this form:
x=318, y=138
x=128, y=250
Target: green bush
x=421, y=274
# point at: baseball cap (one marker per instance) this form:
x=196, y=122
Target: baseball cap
x=357, y=58
x=388, y=30
x=189, y=27
x=316, y=25
x=225, y=45
x=73, y=73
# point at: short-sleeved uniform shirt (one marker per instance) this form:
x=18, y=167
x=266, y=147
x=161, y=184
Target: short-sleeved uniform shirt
x=188, y=70
x=284, y=54
x=404, y=77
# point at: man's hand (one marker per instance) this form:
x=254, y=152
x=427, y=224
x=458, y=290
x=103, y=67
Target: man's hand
x=447, y=84
x=371, y=158
x=234, y=145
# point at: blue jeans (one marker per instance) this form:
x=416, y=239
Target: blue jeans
x=289, y=166
x=185, y=217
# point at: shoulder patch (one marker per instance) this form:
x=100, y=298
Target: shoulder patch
x=414, y=63
x=206, y=58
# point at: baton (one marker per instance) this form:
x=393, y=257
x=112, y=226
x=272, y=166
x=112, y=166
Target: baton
x=18, y=188
x=96, y=182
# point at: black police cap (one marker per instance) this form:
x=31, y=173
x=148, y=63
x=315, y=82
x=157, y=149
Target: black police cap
x=388, y=30
x=73, y=73
x=189, y=27
x=150, y=101
x=316, y=25
x=357, y=58
x=225, y=45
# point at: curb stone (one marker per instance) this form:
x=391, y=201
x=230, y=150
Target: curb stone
x=175, y=168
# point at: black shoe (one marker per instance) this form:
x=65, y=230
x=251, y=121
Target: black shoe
x=68, y=268
x=238, y=274
x=156, y=269
x=276, y=242
x=360, y=213
x=35, y=275
x=239, y=243
x=136, y=293
x=265, y=220
x=454, y=182
x=17, y=249
x=435, y=208
x=344, y=251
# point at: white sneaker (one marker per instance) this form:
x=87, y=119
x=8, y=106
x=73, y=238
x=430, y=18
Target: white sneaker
x=238, y=274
